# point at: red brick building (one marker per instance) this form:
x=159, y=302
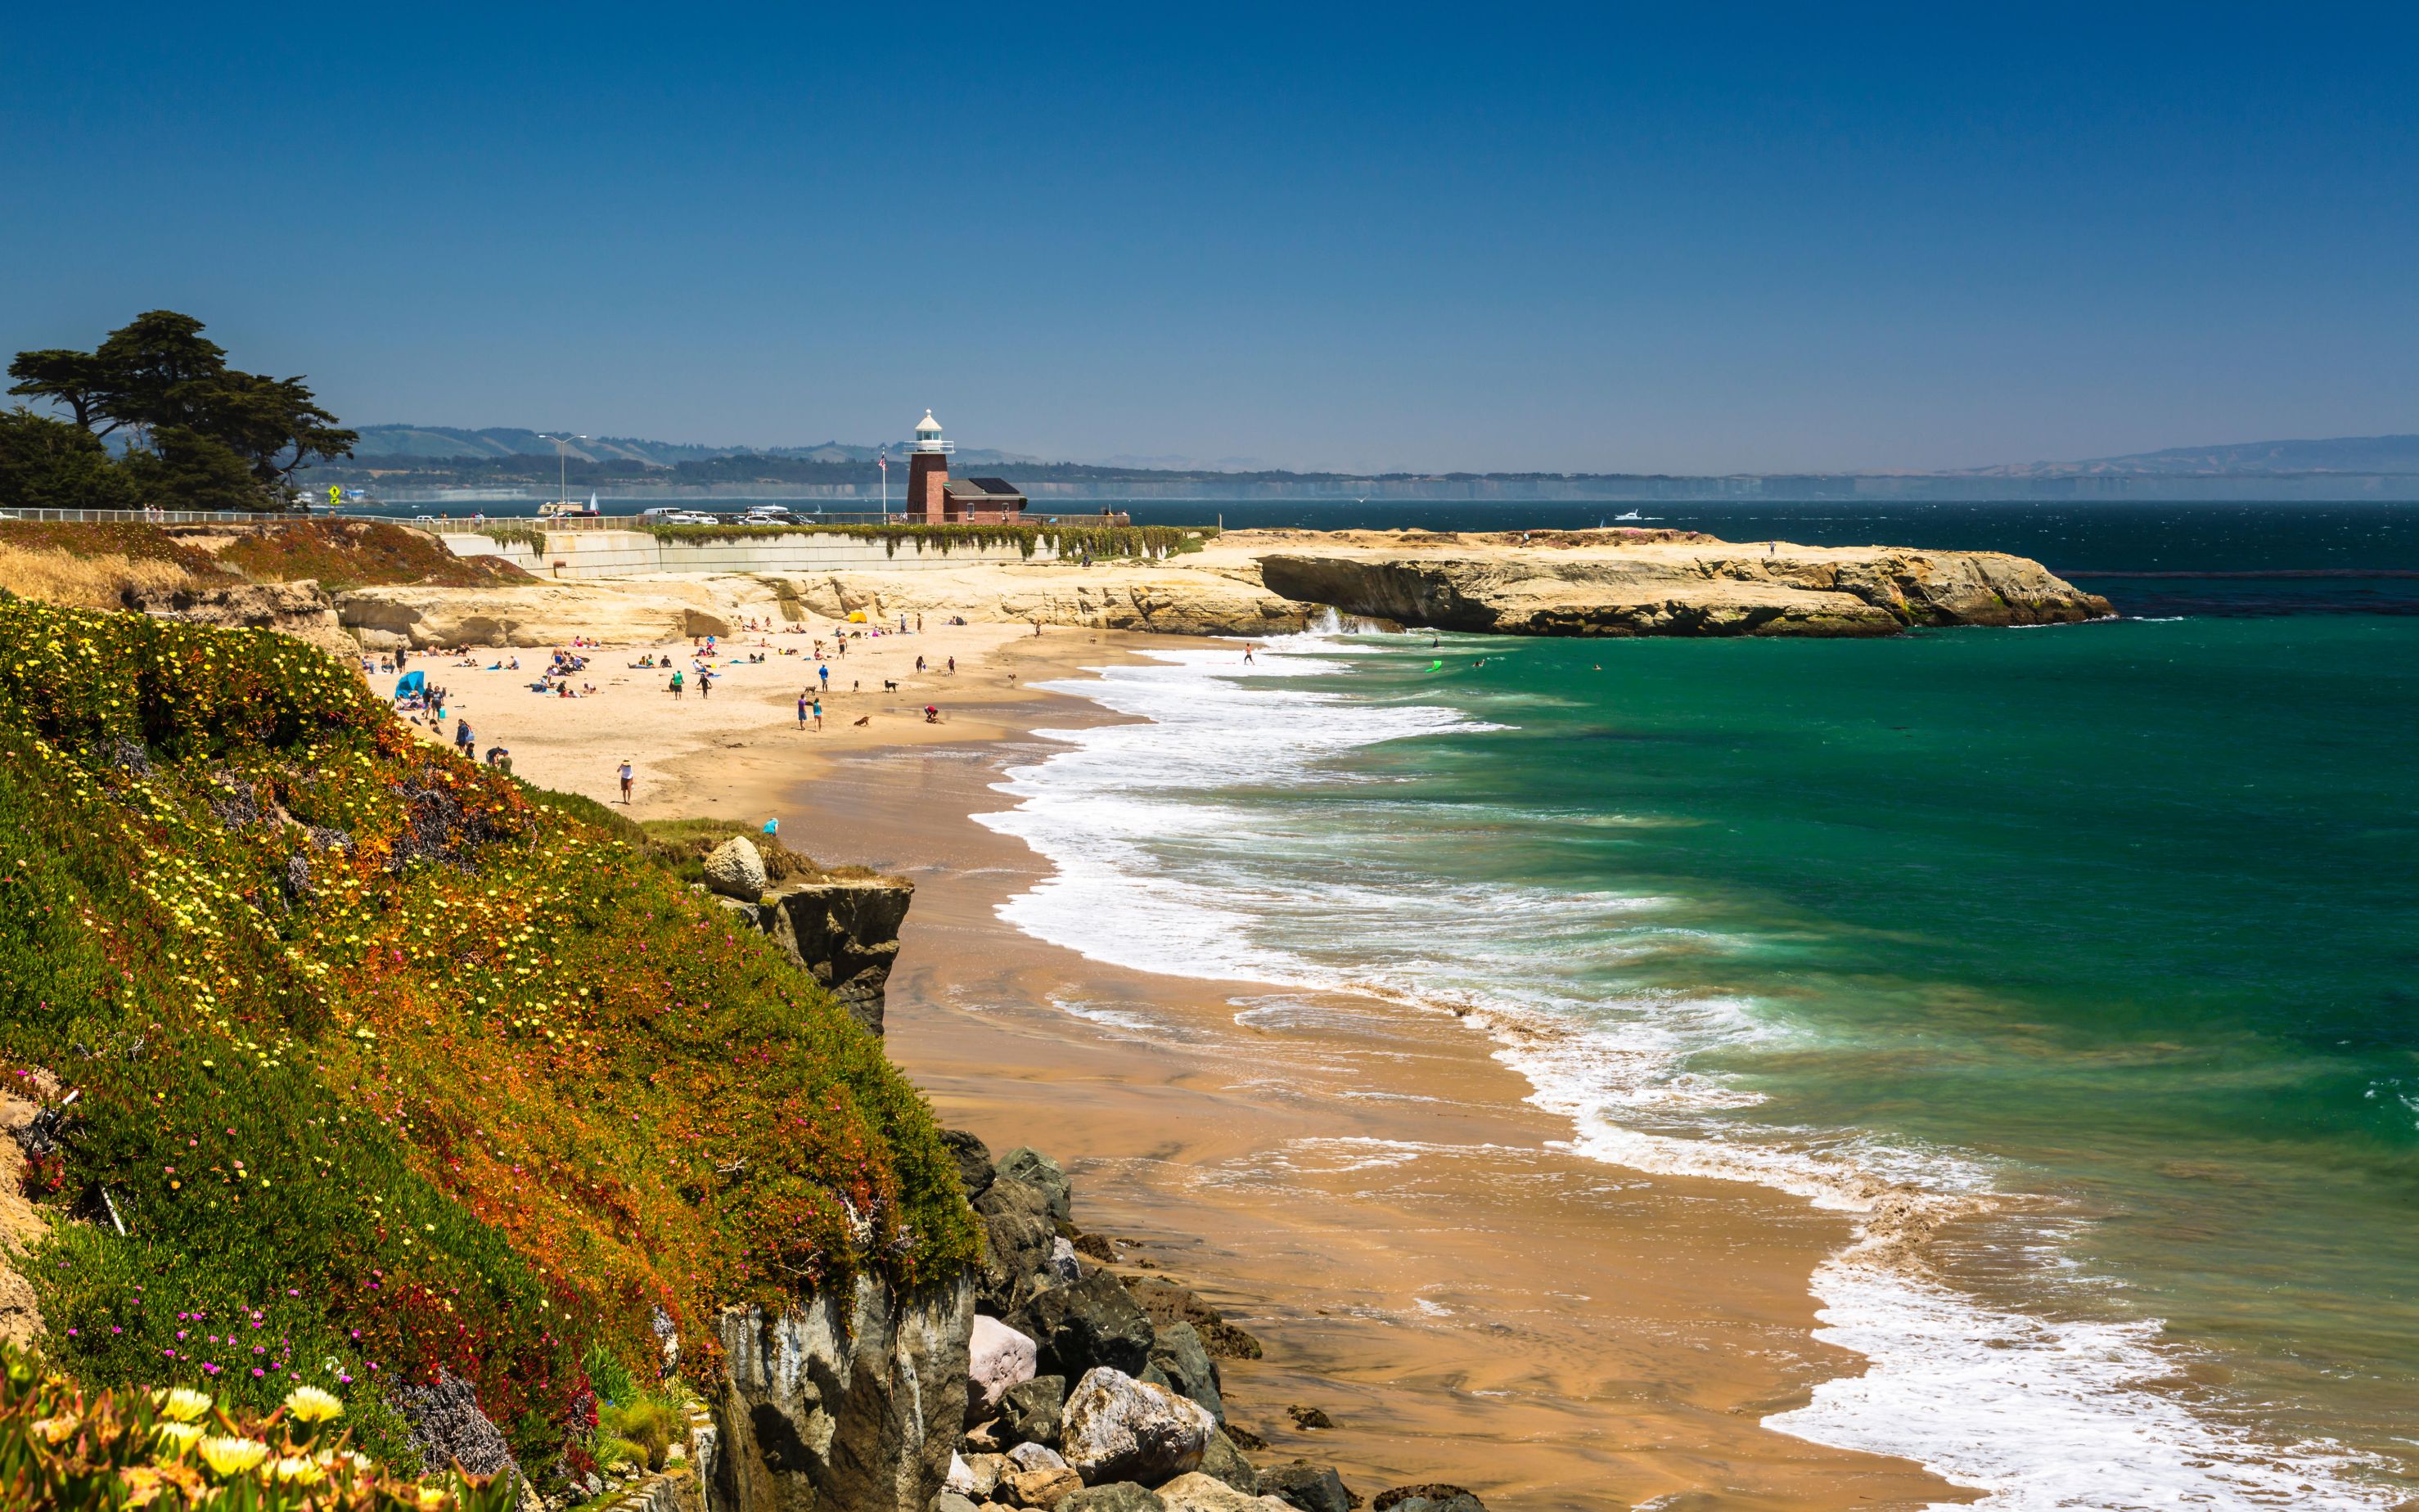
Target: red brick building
x=934, y=500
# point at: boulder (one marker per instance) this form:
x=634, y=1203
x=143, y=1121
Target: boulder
x=1120, y=1428
x=1116, y=1496
x=444, y=1424
x=736, y=870
x=1307, y=1488
x=1029, y=1412
x=1197, y=1492
x=1037, y=1457
x=952, y=1502
x=1016, y=1259
x=845, y=931
x=1309, y=1417
x=1177, y=1349
x=1044, y=1175
x=973, y=1156
x=1090, y=1324
x=1432, y=1496
x=1045, y=1487
x=963, y=1480
x=1221, y=1460
x=997, y=1357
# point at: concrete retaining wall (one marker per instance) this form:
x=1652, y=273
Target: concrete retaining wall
x=573, y=554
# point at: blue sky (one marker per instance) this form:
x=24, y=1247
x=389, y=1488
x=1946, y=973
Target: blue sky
x=1687, y=238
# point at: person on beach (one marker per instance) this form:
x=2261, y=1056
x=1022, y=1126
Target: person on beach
x=802, y=709
x=824, y=674
x=819, y=714
x=920, y=664
x=627, y=778
x=932, y=713
x=677, y=685
x=1247, y=652
x=705, y=685
x=953, y=666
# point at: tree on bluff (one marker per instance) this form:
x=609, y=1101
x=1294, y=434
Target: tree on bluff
x=206, y=436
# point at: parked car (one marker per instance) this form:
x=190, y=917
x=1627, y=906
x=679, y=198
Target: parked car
x=661, y=512
x=689, y=516
x=763, y=514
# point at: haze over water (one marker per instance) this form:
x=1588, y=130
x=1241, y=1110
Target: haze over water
x=2100, y=937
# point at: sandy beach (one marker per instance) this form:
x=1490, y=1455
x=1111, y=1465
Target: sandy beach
x=1360, y=1185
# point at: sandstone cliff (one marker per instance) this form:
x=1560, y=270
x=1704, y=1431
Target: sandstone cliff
x=1697, y=587
x=845, y=930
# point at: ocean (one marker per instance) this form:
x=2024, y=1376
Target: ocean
x=2076, y=960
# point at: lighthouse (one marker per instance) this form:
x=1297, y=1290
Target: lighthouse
x=928, y=473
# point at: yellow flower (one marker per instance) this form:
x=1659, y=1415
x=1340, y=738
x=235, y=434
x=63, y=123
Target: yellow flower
x=301, y=1472
x=184, y=1403
x=233, y=1457
x=177, y=1437
x=433, y=1498
x=312, y=1405
x=56, y=1429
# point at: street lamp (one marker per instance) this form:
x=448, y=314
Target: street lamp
x=562, y=464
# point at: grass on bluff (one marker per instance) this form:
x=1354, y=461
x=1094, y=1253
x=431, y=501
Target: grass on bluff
x=96, y=566
x=388, y=1065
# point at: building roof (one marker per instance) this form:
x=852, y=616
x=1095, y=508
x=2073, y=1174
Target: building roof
x=984, y=488
x=927, y=426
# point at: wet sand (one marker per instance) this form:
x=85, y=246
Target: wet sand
x=1358, y=1185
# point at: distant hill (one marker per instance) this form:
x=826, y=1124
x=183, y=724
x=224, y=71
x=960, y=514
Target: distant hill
x=2344, y=454
x=441, y=443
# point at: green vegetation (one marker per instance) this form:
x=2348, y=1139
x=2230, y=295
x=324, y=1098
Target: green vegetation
x=1067, y=540
x=388, y=1065
x=206, y=437
x=68, y=1449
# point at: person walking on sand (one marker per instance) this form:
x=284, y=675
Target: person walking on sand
x=627, y=778
x=824, y=674
x=818, y=715
x=919, y=624
x=953, y=666
x=705, y=684
x=802, y=709
x=677, y=685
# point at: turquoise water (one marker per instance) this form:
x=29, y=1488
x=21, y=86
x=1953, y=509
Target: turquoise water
x=2101, y=938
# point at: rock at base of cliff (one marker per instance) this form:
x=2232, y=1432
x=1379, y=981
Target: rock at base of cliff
x=1032, y=1412
x=1120, y=1428
x=997, y=1357
x=1164, y=1302
x=1116, y=1496
x=975, y=1168
x=1307, y=1488
x=1093, y=1322
x=1016, y=1261
x=1177, y=1351
x=736, y=870
x=1433, y=1496
x=1197, y=1492
x=1045, y=1175
x=1221, y=1460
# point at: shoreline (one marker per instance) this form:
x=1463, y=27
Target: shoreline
x=1408, y=1234
x=1391, y=1217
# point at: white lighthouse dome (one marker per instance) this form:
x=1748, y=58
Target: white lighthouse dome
x=928, y=435
x=927, y=426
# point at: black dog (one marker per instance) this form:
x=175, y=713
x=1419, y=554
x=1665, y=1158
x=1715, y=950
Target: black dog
x=889, y=686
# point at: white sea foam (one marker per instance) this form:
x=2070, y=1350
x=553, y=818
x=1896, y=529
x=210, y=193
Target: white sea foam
x=1150, y=874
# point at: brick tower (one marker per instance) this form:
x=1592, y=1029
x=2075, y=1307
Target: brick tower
x=928, y=474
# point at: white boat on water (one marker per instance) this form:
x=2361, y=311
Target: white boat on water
x=1632, y=514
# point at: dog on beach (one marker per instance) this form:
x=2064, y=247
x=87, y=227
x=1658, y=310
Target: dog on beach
x=889, y=685
x=864, y=718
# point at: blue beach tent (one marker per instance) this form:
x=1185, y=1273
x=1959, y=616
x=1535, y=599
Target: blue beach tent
x=410, y=682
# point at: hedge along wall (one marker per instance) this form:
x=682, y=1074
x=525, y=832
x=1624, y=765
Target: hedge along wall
x=792, y=549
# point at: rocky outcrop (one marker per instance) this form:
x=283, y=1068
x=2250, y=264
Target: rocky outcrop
x=845, y=930
x=1680, y=588
x=850, y=1403
x=299, y=609
x=446, y=1428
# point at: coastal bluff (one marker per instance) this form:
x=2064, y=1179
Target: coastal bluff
x=1666, y=583
x=1602, y=583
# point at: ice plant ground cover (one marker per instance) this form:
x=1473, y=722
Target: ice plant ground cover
x=68, y=1449
x=388, y=1065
